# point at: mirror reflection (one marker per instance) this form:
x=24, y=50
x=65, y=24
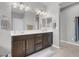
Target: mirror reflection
x=29, y=17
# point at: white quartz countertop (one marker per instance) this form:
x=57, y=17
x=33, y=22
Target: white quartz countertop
x=17, y=33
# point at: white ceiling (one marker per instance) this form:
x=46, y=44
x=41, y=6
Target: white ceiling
x=65, y=4
x=50, y=3
x=61, y=4
x=47, y=4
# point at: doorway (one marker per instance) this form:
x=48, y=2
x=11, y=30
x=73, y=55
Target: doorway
x=76, y=29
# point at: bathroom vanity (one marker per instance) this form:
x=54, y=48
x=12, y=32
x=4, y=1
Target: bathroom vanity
x=26, y=44
x=31, y=32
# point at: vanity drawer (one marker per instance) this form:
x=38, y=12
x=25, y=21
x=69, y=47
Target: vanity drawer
x=38, y=47
x=30, y=36
x=38, y=40
x=38, y=35
x=18, y=37
x=45, y=35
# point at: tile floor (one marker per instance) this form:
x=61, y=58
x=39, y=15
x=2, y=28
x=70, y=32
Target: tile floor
x=66, y=50
x=45, y=52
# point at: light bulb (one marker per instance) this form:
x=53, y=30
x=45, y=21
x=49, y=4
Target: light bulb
x=21, y=7
x=15, y=5
x=41, y=13
x=27, y=8
x=45, y=13
x=38, y=11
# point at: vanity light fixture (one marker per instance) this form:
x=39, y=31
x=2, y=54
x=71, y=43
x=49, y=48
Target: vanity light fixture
x=21, y=6
x=38, y=11
x=42, y=13
x=45, y=13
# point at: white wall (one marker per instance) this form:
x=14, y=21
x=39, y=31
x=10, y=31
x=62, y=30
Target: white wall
x=5, y=39
x=63, y=26
x=68, y=23
x=66, y=4
x=53, y=11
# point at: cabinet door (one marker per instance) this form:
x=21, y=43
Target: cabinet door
x=50, y=38
x=18, y=48
x=29, y=46
x=45, y=40
x=38, y=47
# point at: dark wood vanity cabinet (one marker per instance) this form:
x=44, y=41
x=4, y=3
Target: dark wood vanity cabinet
x=27, y=44
x=45, y=40
x=18, y=48
x=50, y=39
x=38, y=42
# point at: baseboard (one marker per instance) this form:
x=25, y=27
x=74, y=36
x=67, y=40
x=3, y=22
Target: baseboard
x=70, y=43
x=55, y=46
